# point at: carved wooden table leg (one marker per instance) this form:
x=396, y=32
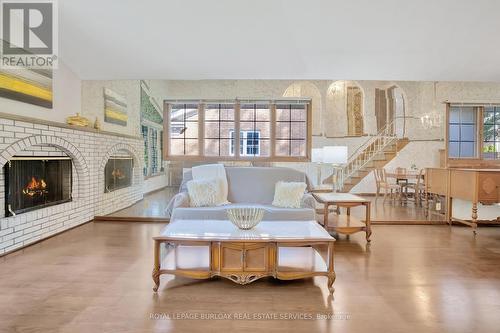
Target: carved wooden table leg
x=331, y=271
x=474, y=217
x=156, y=266
x=368, y=221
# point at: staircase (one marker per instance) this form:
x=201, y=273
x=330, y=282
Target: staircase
x=375, y=153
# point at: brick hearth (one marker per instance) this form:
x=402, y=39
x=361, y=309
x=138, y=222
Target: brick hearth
x=90, y=150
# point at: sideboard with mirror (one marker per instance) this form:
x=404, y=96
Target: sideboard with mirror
x=471, y=174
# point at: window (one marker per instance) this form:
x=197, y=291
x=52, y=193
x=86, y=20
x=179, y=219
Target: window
x=183, y=129
x=291, y=130
x=249, y=143
x=491, y=133
x=473, y=135
x=144, y=130
x=462, y=132
x=252, y=143
x=219, y=121
x=264, y=130
x=255, y=129
x=154, y=151
x=151, y=129
x=162, y=168
x=152, y=158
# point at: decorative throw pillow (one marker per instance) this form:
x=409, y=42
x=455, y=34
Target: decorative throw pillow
x=210, y=171
x=205, y=192
x=288, y=194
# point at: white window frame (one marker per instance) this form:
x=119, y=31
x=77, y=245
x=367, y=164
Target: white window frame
x=244, y=143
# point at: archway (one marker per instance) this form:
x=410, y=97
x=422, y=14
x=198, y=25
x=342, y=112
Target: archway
x=308, y=90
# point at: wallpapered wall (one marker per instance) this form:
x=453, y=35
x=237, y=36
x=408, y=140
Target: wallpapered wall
x=72, y=95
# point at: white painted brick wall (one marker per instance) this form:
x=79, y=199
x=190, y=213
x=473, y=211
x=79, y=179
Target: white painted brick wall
x=90, y=152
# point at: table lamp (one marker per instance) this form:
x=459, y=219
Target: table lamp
x=337, y=156
x=317, y=157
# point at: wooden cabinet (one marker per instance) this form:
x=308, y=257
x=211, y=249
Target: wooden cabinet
x=474, y=185
x=489, y=187
x=244, y=257
x=436, y=181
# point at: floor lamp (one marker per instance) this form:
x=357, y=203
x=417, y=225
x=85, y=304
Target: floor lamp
x=337, y=156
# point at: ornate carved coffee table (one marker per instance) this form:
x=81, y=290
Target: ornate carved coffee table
x=285, y=250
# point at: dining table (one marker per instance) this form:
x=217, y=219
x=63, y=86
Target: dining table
x=403, y=179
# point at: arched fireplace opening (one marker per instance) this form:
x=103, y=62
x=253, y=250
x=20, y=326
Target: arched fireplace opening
x=118, y=172
x=33, y=182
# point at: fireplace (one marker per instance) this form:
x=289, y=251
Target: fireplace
x=32, y=183
x=118, y=173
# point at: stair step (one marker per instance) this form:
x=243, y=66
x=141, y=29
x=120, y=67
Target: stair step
x=377, y=160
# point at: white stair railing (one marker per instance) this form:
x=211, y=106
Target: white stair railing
x=366, y=153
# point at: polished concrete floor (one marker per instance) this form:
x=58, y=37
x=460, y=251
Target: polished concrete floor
x=154, y=204
x=97, y=278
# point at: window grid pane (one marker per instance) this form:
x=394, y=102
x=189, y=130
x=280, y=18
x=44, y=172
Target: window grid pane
x=219, y=123
x=291, y=130
x=184, y=129
x=154, y=151
x=491, y=133
x=255, y=125
x=462, y=132
x=144, y=131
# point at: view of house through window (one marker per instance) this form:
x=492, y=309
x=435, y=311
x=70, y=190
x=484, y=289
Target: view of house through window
x=234, y=129
x=249, y=143
x=491, y=133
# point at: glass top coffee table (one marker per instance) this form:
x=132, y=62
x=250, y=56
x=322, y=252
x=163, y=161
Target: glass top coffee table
x=202, y=249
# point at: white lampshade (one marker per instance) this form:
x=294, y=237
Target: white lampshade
x=317, y=155
x=335, y=154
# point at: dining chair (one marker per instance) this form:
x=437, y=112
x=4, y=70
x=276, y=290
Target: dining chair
x=383, y=184
x=418, y=187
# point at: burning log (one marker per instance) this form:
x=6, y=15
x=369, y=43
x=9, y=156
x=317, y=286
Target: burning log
x=35, y=187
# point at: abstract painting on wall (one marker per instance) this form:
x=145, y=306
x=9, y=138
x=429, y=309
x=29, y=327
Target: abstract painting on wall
x=32, y=86
x=115, y=108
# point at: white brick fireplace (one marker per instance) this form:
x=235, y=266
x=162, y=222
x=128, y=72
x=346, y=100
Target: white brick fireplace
x=89, y=150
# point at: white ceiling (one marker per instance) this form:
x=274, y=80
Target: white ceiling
x=281, y=39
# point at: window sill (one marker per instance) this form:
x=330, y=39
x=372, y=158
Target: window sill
x=155, y=175
x=233, y=159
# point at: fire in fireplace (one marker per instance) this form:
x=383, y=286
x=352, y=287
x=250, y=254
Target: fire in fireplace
x=32, y=183
x=35, y=187
x=118, y=173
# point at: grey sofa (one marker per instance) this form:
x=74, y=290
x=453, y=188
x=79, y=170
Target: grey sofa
x=246, y=186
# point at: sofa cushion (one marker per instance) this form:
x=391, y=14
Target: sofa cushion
x=253, y=185
x=219, y=213
x=211, y=171
x=288, y=194
x=206, y=192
